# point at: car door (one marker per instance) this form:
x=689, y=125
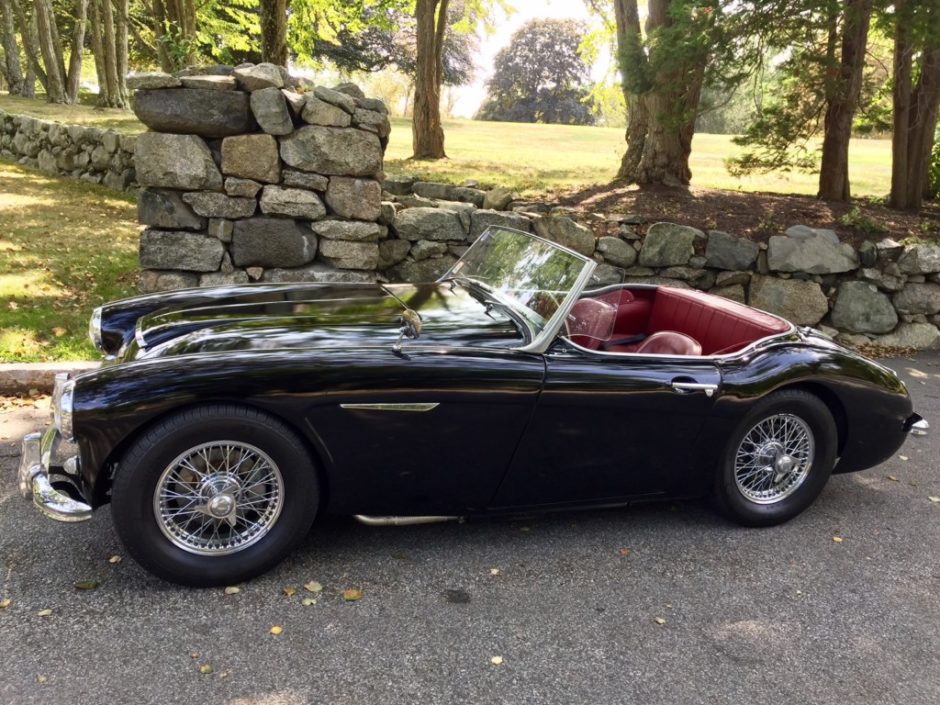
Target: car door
x=428, y=431
x=609, y=427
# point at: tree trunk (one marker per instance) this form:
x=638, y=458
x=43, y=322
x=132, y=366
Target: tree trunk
x=665, y=157
x=174, y=26
x=122, y=10
x=97, y=51
x=842, y=102
x=29, y=83
x=916, y=106
x=427, y=132
x=30, y=36
x=158, y=12
x=51, y=51
x=274, y=31
x=900, y=139
x=631, y=58
x=11, y=51
x=110, y=54
x=672, y=105
x=76, y=51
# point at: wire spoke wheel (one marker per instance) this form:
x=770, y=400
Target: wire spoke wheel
x=218, y=498
x=774, y=458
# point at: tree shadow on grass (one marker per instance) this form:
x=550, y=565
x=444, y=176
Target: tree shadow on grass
x=65, y=247
x=756, y=215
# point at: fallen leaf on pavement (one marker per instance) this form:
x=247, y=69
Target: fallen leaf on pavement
x=206, y=668
x=289, y=591
x=85, y=584
x=494, y=571
x=313, y=586
x=659, y=620
x=934, y=499
x=903, y=457
x=496, y=660
x=308, y=601
x=41, y=678
x=277, y=631
x=892, y=478
x=5, y=602
x=837, y=539
x=44, y=613
x=232, y=590
x=114, y=560
x=352, y=595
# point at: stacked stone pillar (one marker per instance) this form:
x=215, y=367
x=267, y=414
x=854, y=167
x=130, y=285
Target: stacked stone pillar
x=249, y=174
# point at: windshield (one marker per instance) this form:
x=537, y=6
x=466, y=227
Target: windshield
x=534, y=277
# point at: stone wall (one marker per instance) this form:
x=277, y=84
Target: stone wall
x=249, y=174
x=886, y=293
x=87, y=153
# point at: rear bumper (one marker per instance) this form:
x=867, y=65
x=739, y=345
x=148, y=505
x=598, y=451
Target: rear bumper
x=917, y=425
x=41, y=452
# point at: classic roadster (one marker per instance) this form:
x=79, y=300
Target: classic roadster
x=224, y=420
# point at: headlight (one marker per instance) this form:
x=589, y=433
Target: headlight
x=62, y=400
x=94, y=329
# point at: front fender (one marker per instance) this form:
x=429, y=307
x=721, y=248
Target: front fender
x=114, y=403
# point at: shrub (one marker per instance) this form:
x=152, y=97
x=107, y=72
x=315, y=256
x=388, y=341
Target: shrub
x=933, y=177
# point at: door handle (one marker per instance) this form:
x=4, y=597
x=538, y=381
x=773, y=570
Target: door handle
x=690, y=387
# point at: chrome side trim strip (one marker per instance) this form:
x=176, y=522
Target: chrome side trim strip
x=413, y=407
x=401, y=521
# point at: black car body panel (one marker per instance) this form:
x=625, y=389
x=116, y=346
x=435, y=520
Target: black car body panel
x=510, y=429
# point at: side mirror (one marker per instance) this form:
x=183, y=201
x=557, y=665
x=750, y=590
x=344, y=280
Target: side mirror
x=410, y=327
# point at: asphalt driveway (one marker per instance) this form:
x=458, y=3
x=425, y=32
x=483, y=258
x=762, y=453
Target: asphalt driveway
x=569, y=607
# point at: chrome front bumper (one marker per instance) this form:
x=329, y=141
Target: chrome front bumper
x=917, y=425
x=38, y=453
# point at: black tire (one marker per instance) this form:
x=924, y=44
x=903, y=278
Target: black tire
x=139, y=471
x=731, y=499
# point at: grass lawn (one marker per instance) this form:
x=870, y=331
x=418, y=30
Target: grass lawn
x=105, y=118
x=538, y=158
x=533, y=159
x=65, y=247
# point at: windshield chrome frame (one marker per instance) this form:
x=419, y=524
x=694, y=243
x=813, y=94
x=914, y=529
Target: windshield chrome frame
x=541, y=341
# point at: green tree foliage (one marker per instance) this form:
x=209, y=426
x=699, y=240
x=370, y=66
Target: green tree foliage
x=725, y=112
x=792, y=101
x=933, y=178
x=386, y=38
x=541, y=77
x=317, y=28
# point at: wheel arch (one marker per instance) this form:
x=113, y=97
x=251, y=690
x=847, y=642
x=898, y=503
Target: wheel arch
x=105, y=479
x=832, y=402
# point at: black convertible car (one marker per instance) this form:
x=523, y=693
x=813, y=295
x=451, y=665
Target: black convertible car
x=225, y=419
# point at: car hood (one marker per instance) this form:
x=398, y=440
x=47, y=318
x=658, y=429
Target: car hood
x=317, y=315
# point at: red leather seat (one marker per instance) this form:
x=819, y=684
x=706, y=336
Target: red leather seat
x=669, y=342
x=717, y=323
